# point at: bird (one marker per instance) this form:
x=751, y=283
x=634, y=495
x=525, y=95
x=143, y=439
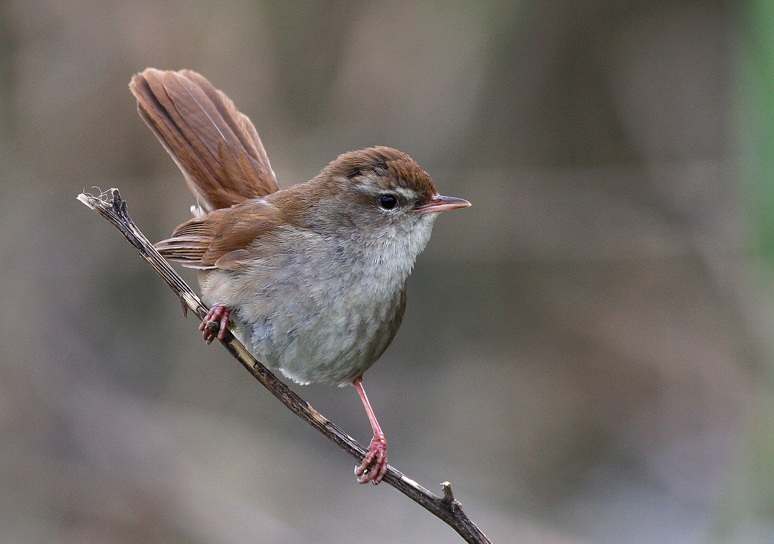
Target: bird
x=312, y=277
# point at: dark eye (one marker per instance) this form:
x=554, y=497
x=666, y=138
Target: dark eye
x=388, y=201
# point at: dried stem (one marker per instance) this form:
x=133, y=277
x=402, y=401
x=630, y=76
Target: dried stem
x=110, y=206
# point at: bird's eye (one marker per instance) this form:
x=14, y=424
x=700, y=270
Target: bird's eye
x=388, y=201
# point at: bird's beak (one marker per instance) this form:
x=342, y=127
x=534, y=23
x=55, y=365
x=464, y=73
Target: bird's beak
x=440, y=203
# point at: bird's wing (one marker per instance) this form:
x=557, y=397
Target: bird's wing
x=225, y=238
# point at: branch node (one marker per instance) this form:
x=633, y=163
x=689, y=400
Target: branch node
x=448, y=495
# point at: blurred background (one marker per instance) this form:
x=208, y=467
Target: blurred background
x=587, y=351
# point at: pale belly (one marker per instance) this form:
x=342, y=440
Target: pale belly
x=318, y=313
x=331, y=344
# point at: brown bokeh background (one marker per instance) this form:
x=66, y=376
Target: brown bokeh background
x=586, y=351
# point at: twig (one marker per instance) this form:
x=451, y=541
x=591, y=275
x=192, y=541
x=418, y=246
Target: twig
x=110, y=206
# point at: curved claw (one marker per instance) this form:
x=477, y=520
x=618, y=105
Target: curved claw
x=217, y=319
x=374, y=465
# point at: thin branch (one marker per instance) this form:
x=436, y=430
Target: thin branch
x=110, y=206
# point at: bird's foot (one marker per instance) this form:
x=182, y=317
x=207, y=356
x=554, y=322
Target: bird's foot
x=374, y=465
x=216, y=321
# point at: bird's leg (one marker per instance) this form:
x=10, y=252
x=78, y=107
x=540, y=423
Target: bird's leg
x=216, y=320
x=374, y=465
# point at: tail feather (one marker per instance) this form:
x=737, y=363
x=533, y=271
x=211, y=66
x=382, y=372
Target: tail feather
x=215, y=146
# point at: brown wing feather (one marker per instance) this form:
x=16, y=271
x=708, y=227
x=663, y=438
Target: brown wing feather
x=223, y=238
x=216, y=147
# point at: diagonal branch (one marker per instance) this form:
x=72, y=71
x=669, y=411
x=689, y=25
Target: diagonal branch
x=110, y=206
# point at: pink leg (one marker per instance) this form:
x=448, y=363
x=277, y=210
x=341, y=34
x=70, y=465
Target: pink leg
x=219, y=316
x=374, y=465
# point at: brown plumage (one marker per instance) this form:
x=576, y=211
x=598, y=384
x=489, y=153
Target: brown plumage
x=219, y=239
x=386, y=162
x=311, y=278
x=216, y=147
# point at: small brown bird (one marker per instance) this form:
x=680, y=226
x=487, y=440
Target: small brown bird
x=312, y=278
